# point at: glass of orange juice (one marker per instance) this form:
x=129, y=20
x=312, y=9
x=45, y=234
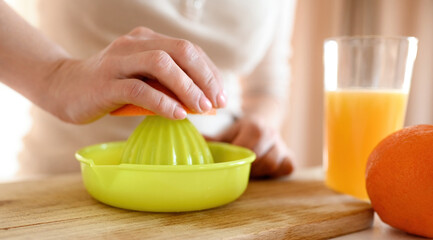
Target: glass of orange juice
x=367, y=82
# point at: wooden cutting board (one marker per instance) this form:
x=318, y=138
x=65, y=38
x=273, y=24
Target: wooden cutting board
x=299, y=207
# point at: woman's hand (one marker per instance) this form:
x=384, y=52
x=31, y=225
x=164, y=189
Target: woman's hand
x=273, y=158
x=80, y=91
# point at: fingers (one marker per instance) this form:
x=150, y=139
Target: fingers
x=141, y=94
x=285, y=168
x=249, y=135
x=275, y=163
x=255, y=137
x=193, y=63
x=190, y=58
x=158, y=64
x=221, y=98
x=143, y=33
x=266, y=165
x=273, y=159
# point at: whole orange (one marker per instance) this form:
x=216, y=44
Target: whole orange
x=399, y=180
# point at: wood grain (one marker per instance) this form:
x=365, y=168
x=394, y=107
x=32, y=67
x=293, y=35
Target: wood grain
x=59, y=207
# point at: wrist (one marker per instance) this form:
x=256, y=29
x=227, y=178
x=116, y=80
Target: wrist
x=47, y=95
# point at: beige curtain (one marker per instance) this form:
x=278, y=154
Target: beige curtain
x=319, y=19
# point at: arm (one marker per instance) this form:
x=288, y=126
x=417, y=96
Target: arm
x=22, y=46
x=80, y=91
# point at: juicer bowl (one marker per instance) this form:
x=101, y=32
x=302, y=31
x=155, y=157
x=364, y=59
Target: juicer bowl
x=165, y=188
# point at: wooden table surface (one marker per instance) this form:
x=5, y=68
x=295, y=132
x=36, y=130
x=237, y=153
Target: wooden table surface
x=299, y=207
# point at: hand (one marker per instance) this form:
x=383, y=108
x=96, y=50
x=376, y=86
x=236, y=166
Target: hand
x=80, y=91
x=273, y=158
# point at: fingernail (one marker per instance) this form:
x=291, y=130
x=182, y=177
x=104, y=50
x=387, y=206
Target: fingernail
x=221, y=99
x=179, y=113
x=205, y=104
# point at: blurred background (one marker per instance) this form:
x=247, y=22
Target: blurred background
x=318, y=20
x=314, y=21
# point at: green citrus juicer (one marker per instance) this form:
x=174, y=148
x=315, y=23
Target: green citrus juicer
x=161, y=141
x=164, y=166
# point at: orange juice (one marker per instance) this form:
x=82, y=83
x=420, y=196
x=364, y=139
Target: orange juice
x=355, y=122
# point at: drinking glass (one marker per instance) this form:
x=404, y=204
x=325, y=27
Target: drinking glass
x=367, y=82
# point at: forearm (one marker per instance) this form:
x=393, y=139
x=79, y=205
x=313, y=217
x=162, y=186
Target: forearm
x=27, y=57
